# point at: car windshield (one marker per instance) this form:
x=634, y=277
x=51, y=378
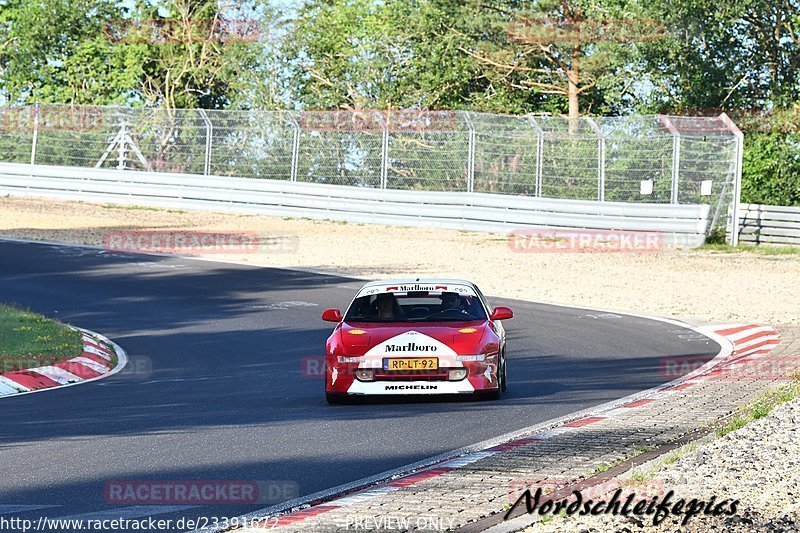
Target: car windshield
x=416, y=307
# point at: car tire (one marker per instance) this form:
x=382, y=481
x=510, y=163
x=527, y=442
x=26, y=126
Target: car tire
x=335, y=399
x=501, y=384
x=503, y=375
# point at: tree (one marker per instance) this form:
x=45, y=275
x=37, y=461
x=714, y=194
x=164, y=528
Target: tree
x=193, y=53
x=576, y=50
x=55, y=51
x=732, y=55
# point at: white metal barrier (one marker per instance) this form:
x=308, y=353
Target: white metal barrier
x=682, y=224
x=769, y=224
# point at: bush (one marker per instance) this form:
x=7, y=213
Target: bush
x=771, y=168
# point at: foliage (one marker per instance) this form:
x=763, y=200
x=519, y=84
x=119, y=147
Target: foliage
x=771, y=168
x=601, y=57
x=54, y=51
x=29, y=340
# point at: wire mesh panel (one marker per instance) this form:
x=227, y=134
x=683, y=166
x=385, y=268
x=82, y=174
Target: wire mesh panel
x=340, y=147
x=707, y=167
x=506, y=154
x=170, y=140
x=570, y=158
x=638, y=159
x=16, y=134
x=426, y=150
x=70, y=135
x=251, y=144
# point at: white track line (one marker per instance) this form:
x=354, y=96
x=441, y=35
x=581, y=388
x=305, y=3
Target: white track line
x=13, y=508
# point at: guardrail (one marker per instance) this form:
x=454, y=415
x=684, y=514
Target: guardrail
x=679, y=224
x=769, y=224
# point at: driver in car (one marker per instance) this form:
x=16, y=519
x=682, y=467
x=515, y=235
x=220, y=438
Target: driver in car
x=450, y=300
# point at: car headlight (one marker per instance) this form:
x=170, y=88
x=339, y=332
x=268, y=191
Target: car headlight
x=365, y=374
x=456, y=374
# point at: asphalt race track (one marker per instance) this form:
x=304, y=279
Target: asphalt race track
x=218, y=387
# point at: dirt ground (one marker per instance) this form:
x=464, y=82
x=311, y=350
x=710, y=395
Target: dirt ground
x=740, y=287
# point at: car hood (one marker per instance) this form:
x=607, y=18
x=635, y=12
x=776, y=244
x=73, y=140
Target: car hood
x=414, y=338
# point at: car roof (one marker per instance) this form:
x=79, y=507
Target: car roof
x=444, y=281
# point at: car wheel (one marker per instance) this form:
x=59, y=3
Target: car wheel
x=501, y=385
x=503, y=376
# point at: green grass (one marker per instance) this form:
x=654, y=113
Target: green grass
x=141, y=208
x=29, y=340
x=761, y=249
x=761, y=407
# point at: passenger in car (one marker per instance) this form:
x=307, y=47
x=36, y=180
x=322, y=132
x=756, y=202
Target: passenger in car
x=386, y=307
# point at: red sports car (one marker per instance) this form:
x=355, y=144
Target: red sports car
x=411, y=337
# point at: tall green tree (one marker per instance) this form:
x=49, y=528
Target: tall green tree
x=726, y=55
x=361, y=53
x=55, y=51
x=501, y=57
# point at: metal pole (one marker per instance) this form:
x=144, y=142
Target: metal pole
x=209, y=133
x=295, y=148
x=470, y=154
x=385, y=158
x=121, y=146
x=676, y=168
x=737, y=189
x=676, y=157
x=601, y=185
x=737, y=184
x=539, y=154
x=35, y=132
x=601, y=160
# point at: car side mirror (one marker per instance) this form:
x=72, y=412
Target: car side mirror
x=501, y=313
x=332, y=315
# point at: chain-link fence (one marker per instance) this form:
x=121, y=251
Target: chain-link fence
x=641, y=159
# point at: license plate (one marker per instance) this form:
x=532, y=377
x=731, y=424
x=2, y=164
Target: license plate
x=411, y=363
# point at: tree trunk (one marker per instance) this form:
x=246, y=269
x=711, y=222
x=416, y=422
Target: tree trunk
x=573, y=78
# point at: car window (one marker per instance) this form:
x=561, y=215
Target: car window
x=416, y=307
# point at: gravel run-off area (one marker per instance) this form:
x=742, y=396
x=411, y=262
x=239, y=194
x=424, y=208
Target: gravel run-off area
x=758, y=465
x=737, y=287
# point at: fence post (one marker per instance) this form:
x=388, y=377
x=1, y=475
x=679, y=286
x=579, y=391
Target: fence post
x=385, y=157
x=209, y=132
x=35, y=140
x=470, y=154
x=676, y=157
x=737, y=184
x=295, y=146
x=539, y=154
x=121, y=147
x=601, y=160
